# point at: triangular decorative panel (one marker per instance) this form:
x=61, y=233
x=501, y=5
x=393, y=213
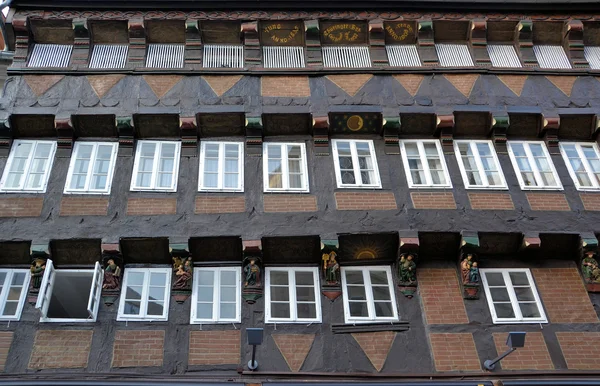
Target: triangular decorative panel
x=462, y=82
x=563, y=83
x=376, y=345
x=39, y=84
x=294, y=348
x=103, y=83
x=514, y=82
x=162, y=84
x=221, y=83
x=410, y=82
x=350, y=83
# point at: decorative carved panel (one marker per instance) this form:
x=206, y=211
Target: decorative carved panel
x=33, y=126
x=286, y=124
x=100, y=126
x=75, y=252
x=501, y=31
x=365, y=248
x=53, y=31
x=145, y=250
x=472, y=124
x=221, y=32
x=493, y=243
x=109, y=32
x=548, y=32
x=156, y=125
x=165, y=31
x=281, y=33
x=355, y=123
x=221, y=124
x=524, y=125
x=291, y=250
x=15, y=253
x=343, y=32
x=417, y=124
x=451, y=31
x=218, y=248
x=439, y=245
x=578, y=127
x=400, y=32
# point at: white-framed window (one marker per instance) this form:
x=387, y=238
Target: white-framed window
x=14, y=284
x=424, y=164
x=355, y=164
x=28, y=166
x=583, y=162
x=284, y=167
x=216, y=297
x=156, y=166
x=533, y=165
x=479, y=165
x=292, y=295
x=512, y=296
x=92, y=167
x=70, y=295
x=369, y=294
x=221, y=167
x=145, y=294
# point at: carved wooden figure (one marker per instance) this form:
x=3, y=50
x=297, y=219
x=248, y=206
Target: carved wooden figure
x=252, y=279
x=470, y=277
x=591, y=272
x=407, y=274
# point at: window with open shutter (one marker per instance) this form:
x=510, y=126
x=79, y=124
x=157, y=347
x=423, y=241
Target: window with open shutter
x=95, y=291
x=43, y=300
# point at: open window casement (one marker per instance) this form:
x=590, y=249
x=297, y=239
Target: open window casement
x=95, y=291
x=70, y=295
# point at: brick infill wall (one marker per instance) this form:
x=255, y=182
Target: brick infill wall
x=220, y=204
x=548, y=201
x=454, y=352
x=534, y=356
x=365, y=201
x=136, y=348
x=214, y=347
x=441, y=297
x=580, y=349
x=84, y=206
x=433, y=200
x=21, y=206
x=290, y=203
x=491, y=201
x=61, y=349
x=151, y=206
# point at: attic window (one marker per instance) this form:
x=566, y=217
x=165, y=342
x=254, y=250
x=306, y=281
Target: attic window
x=165, y=55
x=551, y=56
x=109, y=56
x=454, y=55
x=50, y=55
x=503, y=55
x=223, y=56
x=403, y=55
x=592, y=55
x=346, y=56
x=283, y=57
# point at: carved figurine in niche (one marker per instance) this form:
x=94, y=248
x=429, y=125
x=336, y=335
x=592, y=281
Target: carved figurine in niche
x=590, y=269
x=38, y=266
x=112, y=275
x=465, y=268
x=474, y=273
x=183, y=273
x=331, y=268
x=407, y=268
x=252, y=273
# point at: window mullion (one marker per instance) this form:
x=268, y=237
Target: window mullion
x=512, y=295
x=27, y=165
x=216, y=294
x=6, y=290
x=369, y=293
x=480, y=168
x=221, y=166
x=355, y=166
x=292, y=289
x=424, y=162
x=90, y=171
x=155, y=164
x=285, y=177
x=145, y=295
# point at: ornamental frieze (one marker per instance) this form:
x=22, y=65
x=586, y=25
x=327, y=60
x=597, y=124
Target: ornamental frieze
x=293, y=15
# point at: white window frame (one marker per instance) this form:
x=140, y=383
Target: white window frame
x=429, y=183
x=480, y=169
x=534, y=168
x=27, y=171
x=121, y=316
x=292, y=295
x=355, y=166
x=588, y=169
x=221, y=168
x=153, y=188
x=6, y=289
x=216, y=295
x=513, y=297
x=372, y=318
x=45, y=294
x=111, y=168
x=285, y=168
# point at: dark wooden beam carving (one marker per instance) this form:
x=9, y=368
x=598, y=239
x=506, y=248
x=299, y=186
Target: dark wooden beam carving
x=550, y=133
x=575, y=44
x=377, y=43
x=189, y=136
x=426, y=44
x=500, y=124
x=137, y=43
x=391, y=129
x=22, y=41
x=321, y=135
x=252, y=271
x=479, y=43
x=445, y=130
x=64, y=136
x=5, y=137
x=254, y=136
x=81, y=43
x=125, y=129
x=525, y=29
x=193, y=45
x=314, y=54
x=252, y=51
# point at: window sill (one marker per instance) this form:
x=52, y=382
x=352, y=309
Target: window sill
x=370, y=327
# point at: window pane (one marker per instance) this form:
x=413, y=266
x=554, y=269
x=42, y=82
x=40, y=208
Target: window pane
x=354, y=277
x=529, y=310
x=358, y=309
x=14, y=293
x=227, y=311
x=305, y=294
x=524, y=294
x=494, y=278
x=158, y=279
x=304, y=278
x=504, y=310
x=155, y=308
x=133, y=292
x=356, y=293
x=519, y=278
x=10, y=309
x=157, y=293
x=381, y=293
x=131, y=308
x=280, y=310
x=499, y=294
x=228, y=278
x=306, y=311
x=384, y=309
x=228, y=294
x=378, y=277
x=135, y=278
x=279, y=278
x=205, y=294
x=204, y=311
x=206, y=277
x=280, y=294
x=17, y=279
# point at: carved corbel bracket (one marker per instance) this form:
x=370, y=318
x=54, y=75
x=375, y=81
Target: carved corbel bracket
x=252, y=51
x=253, y=271
x=589, y=262
x=426, y=44
x=550, y=132
x=81, y=43
x=500, y=124
x=391, y=129
x=125, y=130
x=479, y=43
x=531, y=241
x=377, y=43
x=188, y=129
x=408, y=254
x=331, y=286
x=65, y=134
x=525, y=28
x=112, y=266
x=22, y=40
x=470, y=280
x=183, y=272
x=193, y=44
x=254, y=135
x=5, y=137
x=575, y=44
x=314, y=54
x=137, y=43
x=445, y=130
x=321, y=135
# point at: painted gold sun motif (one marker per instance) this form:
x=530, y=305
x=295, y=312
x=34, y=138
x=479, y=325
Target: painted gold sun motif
x=355, y=123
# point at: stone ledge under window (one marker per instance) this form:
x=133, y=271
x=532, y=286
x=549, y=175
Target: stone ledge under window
x=369, y=327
